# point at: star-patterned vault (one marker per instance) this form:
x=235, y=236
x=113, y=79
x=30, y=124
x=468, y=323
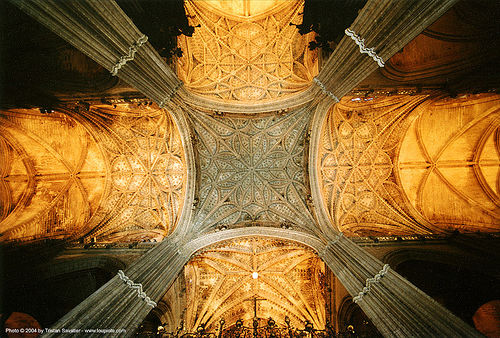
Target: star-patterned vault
x=246, y=57
x=252, y=170
x=147, y=174
x=258, y=277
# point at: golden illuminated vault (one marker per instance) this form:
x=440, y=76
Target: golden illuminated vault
x=411, y=165
x=147, y=173
x=220, y=283
x=110, y=174
x=52, y=175
x=249, y=53
x=449, y=163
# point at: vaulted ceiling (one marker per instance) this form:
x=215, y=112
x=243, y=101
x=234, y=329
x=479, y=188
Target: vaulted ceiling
x=251, y=170
x=247, y=57
x=405, y=165
x=411, y=150
x=251, y=277
x=115, y=174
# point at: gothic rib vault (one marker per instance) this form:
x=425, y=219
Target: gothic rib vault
x=123, y=175
x=252, y=170
x=247, y=56
x=380, y=164
x=375, y=160
x=147, y=171
x=290, y=282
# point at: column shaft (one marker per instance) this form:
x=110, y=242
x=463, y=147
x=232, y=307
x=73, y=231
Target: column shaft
x=386, y=26
x=395, y=306
x=102, y=31
x=117, y=305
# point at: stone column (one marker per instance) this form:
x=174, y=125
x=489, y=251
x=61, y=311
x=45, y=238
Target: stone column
x=382, y=28
x=124, y=301
x=395, y=306
x=101, y=30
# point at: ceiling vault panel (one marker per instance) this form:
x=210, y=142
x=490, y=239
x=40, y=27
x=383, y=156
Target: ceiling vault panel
x=289, y=282
x=246, y=58
x=252, y=170
x=405, y=165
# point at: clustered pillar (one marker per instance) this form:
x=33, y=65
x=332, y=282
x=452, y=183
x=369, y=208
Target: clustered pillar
x=122, y=306
x=395, y=306
x=382, y=28
x=102, y=31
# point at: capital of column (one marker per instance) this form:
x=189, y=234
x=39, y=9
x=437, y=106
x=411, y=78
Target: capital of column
x=130, y=56
x=363, y=49
x=369, y=282
x=137, y=287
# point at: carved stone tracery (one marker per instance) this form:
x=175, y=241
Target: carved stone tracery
x=113, y=174
x=411, y=165
x=358, y=147
x=252, y=169
x=147, y=173
x=219, y=284
x=246, y=58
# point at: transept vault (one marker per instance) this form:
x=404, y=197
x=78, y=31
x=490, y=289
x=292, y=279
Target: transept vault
x=251, y=170
x=250, y=176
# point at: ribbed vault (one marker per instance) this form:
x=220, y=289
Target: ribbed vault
x=220, y=284
x=251, y=170
x=147, y=173
x=52, y=176
x=114, y=174
x=449, y=163
x=404, y=165
x=379, y=161
x=246, y=54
